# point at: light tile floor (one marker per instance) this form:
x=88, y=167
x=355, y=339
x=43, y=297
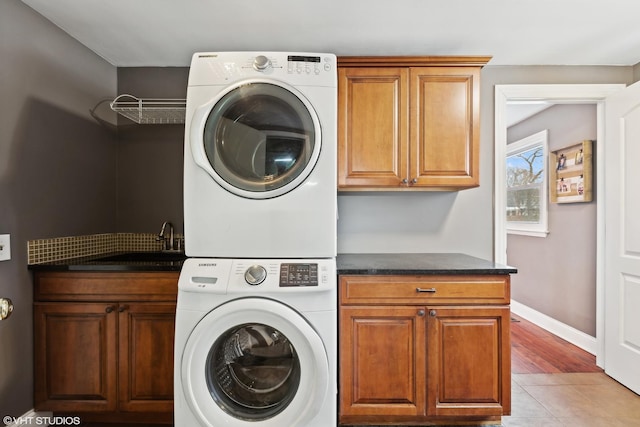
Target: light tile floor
x=560, y=400
x=571, y=400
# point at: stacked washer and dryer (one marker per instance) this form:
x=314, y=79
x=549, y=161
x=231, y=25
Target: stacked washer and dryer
x=256, y=321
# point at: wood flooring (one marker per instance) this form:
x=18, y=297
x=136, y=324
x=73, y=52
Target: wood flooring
x=536, y=351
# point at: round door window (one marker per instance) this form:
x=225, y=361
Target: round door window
x=252, y=371
x=261, y=137
x=252, y=361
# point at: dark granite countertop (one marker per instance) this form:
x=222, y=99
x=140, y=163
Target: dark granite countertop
x=413, y=263
x=397, y=263
x=120, y=261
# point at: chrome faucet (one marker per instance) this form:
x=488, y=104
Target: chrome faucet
x=168, y=242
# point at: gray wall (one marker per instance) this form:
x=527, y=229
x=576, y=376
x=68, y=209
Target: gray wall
x=150, y=156
x=57, y=167
x=557, y=274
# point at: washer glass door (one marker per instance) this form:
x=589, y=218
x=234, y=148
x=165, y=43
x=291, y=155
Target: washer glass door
x=254, y=361
x=261, y=139
x=253, y=371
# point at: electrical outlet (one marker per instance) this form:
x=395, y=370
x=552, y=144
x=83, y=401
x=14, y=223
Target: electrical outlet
x=5, y=247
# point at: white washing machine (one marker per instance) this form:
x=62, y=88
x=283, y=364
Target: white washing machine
x=256, y=343
x=260, y=159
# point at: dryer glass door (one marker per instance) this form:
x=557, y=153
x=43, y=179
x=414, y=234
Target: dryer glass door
x=261, y=139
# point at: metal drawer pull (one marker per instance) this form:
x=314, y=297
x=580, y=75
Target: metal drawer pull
x=430, y=290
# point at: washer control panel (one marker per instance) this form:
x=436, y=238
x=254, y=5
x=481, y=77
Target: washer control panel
x=258, y=276
x=298, y=274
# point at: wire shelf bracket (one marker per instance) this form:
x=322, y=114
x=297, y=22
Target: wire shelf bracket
x=150, y=111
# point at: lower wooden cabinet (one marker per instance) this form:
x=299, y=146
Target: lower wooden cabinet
x=468, y=361
x=107, y=357
x=424, y=361
x=145, y=356
x=382, y=363
x=76, y=361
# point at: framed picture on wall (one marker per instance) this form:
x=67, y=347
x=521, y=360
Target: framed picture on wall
x=571, y=173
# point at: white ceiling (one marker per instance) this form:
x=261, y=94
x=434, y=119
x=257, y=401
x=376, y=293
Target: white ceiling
x=515, y=32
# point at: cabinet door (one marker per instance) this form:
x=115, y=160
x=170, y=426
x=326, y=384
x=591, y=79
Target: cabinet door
x=469, y=361
x=75, y=357
x=373, y=108
x=382, y=363
x=444, y=134
x=146, y=332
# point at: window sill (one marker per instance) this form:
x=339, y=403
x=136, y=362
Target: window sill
x=530, y=233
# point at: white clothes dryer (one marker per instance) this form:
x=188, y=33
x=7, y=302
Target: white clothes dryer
x=256, y=343
x=260, y=153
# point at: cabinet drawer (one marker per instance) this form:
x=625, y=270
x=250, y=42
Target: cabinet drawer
x=112, y=286
x=449, y=289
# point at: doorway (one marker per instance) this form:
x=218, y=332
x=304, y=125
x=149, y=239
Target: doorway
x=554, y=94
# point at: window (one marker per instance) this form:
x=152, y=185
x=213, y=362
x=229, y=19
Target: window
x=527, y=186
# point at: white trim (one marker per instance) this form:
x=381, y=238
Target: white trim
x=562, y=330
x=560, y=94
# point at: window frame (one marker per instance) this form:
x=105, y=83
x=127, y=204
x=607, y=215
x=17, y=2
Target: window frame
x=540, y=229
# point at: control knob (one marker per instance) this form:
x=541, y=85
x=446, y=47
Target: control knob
x=261, y=63
x=255, y=275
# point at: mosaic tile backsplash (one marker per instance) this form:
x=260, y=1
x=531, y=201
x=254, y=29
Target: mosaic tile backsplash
x=60, y=248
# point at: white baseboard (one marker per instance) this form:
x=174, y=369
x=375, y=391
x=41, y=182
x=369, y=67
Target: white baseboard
x=564, y=331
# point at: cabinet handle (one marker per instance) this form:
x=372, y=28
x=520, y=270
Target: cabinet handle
x=428, y=291
x=414, y=181
x=109, y=309
x=433, y=313
x=122, y=308
x=420, y=312
x=405, y=181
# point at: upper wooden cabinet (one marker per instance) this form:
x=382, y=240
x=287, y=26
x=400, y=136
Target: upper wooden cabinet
x=408, y=122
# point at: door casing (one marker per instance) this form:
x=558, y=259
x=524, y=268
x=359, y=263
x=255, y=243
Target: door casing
x=557, y=94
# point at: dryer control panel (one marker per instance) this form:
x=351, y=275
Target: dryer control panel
x=294, y=68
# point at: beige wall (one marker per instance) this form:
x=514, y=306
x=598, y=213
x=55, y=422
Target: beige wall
x=57, y=167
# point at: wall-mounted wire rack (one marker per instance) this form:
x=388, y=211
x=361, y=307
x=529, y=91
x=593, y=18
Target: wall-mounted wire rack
x=150, y=111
